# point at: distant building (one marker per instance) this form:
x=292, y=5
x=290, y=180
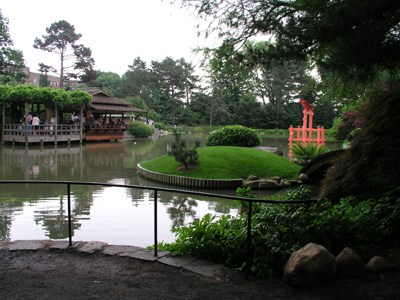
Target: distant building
x=54, y=81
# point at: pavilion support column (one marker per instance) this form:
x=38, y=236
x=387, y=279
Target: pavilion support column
x=26, y=124
x=4, y=121
x=56, y=125
x=80, y=123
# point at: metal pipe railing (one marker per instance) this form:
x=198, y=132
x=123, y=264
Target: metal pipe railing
x=155, y=190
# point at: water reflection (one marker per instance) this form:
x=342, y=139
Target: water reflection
x=114, y=215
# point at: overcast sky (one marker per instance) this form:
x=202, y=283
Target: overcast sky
x=116, y=31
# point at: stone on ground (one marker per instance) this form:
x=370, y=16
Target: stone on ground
x=311, y=265
x=349, y=264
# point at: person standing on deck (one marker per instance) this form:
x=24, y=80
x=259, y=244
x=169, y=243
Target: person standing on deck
x=35, y=122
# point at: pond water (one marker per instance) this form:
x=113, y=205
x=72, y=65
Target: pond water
x=110, y=214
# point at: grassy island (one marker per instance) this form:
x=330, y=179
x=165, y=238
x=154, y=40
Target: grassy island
x=223, y=162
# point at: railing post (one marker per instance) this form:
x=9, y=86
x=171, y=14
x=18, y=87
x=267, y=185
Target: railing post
x=155, y=223
x=69, y=214
x=247, y=270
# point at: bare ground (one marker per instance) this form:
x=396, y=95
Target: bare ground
x=63, y=274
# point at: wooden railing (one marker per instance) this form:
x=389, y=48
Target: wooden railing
x=40, y=130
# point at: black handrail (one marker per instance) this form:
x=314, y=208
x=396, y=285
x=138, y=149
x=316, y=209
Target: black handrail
x=156, y=189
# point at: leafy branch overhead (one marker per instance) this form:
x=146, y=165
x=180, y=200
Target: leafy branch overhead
x=351, y=37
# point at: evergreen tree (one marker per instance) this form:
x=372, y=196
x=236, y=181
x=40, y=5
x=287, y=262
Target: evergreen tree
x=61, y=38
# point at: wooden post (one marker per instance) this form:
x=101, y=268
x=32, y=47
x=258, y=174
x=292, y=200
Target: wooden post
x=80, y=125
x=26, y=124
x=56, y=124
x=4, y=121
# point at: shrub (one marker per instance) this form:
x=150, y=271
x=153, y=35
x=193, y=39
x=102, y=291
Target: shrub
x=234, y=135
x=182, y=154
x=280, y=229
x=159, y=125
x=141, y=130
x=303, y=154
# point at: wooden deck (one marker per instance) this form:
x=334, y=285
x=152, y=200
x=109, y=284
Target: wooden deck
x=105, y=133
x=42, y=134
x=15, y=133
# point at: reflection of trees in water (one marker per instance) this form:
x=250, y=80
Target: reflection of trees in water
x=179, y=207
x=222, y=206
x=7, y=210
x=55, y=222
x=138, y=196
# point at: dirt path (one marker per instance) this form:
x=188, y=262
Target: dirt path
x=63, y=274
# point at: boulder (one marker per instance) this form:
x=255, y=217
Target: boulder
x=273, y=150
x=349, y=264
x=268, y=184
x=311, y=265
x=303, y=177
x=262, y=184
x=378, y=264
x=252, y=178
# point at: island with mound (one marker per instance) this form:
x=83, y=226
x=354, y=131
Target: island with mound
x=221, y=167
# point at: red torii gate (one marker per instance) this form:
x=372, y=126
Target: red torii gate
x=305, y=134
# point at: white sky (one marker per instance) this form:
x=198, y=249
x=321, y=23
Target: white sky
x=116, y=31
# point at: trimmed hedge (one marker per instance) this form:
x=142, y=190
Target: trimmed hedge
x=234, y=135
x=141, y=130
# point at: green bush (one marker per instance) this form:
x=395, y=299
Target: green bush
x=234, y=135
x=159, y=125
x=280, y=229
x=141, y=130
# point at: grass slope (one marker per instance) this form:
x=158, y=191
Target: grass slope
x=223, y=162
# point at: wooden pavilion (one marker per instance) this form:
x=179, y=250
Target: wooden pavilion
x=109, y=112
x=105, y=116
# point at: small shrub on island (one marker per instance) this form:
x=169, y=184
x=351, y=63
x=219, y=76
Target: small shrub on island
x=234, y=135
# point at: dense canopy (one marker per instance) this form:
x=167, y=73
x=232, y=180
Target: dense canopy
x=352, y=37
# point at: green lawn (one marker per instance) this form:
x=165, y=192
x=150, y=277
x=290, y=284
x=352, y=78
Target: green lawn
x=225, y=162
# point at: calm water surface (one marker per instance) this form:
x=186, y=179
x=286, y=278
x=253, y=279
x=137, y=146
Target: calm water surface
x=110, y=214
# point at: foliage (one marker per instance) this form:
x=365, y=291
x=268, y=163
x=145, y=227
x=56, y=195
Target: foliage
x=352, y=120
x=371, y=166
x=351, y=39
x=159, y=125
x=303, y=154
x=280, y=229
x=106, y=81
x=61, y=39
x=34, y=94
x=11, y=60
x=235, y=135
x=141, y=130
x=226, y=162
x=182, y=154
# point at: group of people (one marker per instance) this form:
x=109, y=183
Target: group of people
x=104, y=122
x=145, y=120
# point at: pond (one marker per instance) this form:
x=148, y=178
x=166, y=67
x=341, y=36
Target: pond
x=110, y=214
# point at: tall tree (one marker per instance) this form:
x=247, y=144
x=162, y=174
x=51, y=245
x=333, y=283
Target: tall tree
x=61, y=38
x=354, y=38
x=11, y=60
x=173, y=77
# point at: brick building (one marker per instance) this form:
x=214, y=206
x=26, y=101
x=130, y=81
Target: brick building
x=54, y=81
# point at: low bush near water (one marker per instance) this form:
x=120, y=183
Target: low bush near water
x=159, y=125
x=280, y=229
x=141, y=129
x=234, y=135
